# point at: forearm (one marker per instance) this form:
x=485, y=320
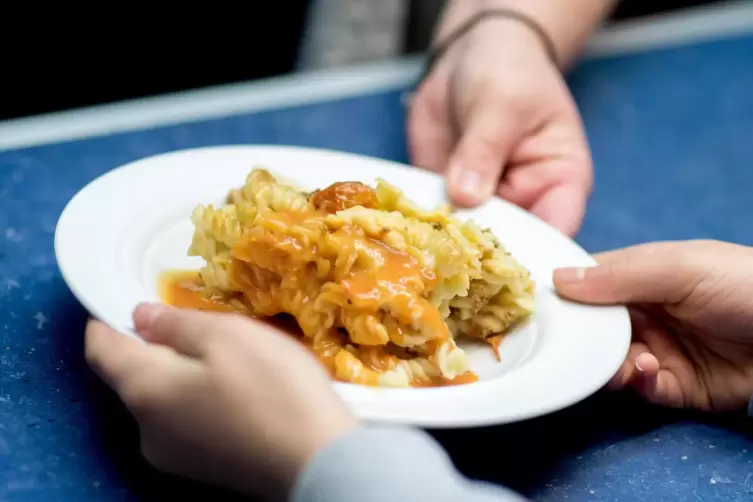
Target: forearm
x=568, y=23
x=385, y=464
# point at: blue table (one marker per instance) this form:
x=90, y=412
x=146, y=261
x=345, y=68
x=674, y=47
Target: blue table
x=672, y=136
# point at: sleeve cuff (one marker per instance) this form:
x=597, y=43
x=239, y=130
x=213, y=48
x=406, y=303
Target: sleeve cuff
x=385, y=463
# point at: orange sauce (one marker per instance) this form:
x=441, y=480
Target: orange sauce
x=182, y=288
x=398, y=282
x=495, y=342
x=268, y=253
x=268, y=249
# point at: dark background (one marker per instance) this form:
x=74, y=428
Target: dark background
x=60, y=60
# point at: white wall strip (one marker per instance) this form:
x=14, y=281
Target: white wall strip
x=691, y=26
x=727, y=19
x=206, y=104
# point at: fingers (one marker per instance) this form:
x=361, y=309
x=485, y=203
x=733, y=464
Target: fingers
x=187, y=331
x=430, y=137
x=477, y=164
x=551, y=175
x=659, y=386
x=653, y=273
x=642, y=369
x=563, y=207
x=646, y=378
x=626, y=374
x=114, y=356
x=140, y=373
x=643, y=373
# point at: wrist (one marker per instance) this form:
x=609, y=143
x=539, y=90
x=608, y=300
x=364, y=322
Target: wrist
x=518, y=34
x=567, y=23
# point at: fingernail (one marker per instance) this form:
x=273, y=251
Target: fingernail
x=145, y=314
x=569, y=275
x=470, y=184
x=638, y=366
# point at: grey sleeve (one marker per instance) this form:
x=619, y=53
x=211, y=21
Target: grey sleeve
x=385, y=464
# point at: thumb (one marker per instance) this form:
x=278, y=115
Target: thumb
x=477, y=164
x=187, y=331
x=663, y=272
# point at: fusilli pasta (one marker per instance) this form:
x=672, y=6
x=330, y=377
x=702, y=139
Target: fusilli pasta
x=379, y=287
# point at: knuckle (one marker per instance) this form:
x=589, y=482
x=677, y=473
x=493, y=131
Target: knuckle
x=706, y=256
x=686, y=257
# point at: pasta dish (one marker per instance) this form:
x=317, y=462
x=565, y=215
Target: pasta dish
x=380, y=288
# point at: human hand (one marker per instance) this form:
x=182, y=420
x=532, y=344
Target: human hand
x=692, y=312
x=220, y=398
x=496, y=116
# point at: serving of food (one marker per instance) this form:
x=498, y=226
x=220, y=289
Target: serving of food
x=359, y=258
x=380, y=288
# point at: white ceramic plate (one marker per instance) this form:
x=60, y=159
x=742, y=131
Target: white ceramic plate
x=119, y=232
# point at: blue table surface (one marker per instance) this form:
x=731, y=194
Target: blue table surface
x=672, y=139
